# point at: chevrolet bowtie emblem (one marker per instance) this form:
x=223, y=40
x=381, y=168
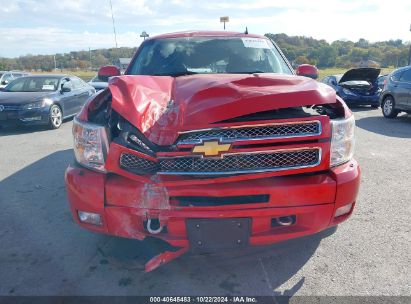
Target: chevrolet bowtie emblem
x=211, y=148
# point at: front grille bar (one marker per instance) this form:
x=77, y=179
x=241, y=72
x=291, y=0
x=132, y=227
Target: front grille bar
x=230, y=163
x=212, y=201
x=11, y=107
x=252, y=133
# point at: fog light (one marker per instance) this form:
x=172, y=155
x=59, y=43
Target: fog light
x=90, y=218
x=343, y=210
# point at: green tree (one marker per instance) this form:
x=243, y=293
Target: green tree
x=327, y=56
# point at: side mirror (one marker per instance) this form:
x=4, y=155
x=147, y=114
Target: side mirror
x=108, y=71
x=5, y=82
x=65, y=89
x=307, y=70
x=333, y=82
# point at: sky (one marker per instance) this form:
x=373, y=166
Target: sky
x=59, y=26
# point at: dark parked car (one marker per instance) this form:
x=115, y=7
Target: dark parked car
x=357, y=86
x=396, y=96
x=43, y=99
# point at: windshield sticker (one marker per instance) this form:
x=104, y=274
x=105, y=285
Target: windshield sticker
x=256, y=43
x=48, y=87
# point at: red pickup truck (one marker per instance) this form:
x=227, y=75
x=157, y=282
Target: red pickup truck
x=211, y=142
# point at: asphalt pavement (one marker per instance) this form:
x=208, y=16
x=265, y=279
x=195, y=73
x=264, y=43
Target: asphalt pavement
x=42, y=251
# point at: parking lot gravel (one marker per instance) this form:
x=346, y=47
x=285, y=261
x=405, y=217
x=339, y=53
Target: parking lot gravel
x=42, y=251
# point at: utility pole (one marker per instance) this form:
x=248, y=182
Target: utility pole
x=114, y=27
x=55, y=63
x=89, y=53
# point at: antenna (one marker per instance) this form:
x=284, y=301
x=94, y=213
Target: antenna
x=246, y=31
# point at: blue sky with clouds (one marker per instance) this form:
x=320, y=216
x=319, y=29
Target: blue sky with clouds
x=57, y=26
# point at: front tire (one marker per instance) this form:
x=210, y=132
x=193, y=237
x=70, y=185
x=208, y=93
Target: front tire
x=55, y=117
x=388, y=107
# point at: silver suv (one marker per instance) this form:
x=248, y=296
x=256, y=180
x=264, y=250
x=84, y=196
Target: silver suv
x=7, y=77
x=396, y=95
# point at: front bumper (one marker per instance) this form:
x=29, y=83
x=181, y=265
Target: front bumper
x=361, y=100
x=125, y=205
x=25, y=117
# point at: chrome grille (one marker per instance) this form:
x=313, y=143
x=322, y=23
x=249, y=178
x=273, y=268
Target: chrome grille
x=263, y=161
x=139, y=142
x=310, y=128
x=133, y=162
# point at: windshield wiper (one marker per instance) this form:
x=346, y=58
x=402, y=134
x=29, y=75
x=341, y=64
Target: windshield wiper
x=182, y=73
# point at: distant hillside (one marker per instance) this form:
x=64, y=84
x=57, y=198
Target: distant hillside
x=298, y=49
x=73, y=60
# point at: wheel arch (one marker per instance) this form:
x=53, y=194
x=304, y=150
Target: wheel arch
x=385, y=96
x=60, y=105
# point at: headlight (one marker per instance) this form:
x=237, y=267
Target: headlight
x=342, y=140
x=38, y=104
x=347, y=92
x=90, y=144
x=33, y=105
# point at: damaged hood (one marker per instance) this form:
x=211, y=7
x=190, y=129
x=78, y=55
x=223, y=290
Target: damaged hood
x=161, y=106
x=367, y=74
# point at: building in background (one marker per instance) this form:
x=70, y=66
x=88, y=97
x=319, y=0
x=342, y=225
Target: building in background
x=367, y=64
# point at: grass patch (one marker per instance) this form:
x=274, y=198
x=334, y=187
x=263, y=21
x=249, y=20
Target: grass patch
x=86, y=75
x=335, y=71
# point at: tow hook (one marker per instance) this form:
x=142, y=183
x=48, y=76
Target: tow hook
x=285, y=220
x=154, y=226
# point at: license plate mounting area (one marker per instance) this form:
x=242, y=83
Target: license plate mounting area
x=211, y=235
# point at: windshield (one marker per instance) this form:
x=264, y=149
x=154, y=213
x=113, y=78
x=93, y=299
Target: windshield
x=33, y=84
x=7, y=77
x=208, y=55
